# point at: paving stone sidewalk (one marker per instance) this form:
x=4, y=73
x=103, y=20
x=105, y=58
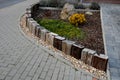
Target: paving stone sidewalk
x=22, y=60
x=111, y=31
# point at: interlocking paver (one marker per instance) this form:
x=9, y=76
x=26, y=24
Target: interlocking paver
x=28, y=78
x=72, y=74
x=16, y=76
x=8, y=78
x=22, y=59
x=77, y=75
x=111, y=27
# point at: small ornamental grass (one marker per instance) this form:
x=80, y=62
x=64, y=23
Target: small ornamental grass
x=62, y=28
x=77, y=19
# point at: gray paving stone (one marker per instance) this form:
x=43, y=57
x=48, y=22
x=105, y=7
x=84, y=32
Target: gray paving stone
x=28, y=68
x=40, y=68
x=115, y=78
x=61, y=73
x=112, y=37
x=22, y=59
x=2, y=77
x=48, y=78
x=77, y=75
x=50, y=73
x=16, y=76
x=114, y=63
x=83, y=76
x=8, y=78
x=43, y=75
x=28, y=78
x=12, y=72
x=66, y=77
x=52, y=66
x=35, y=77
x=89, y=77
x=72, y=74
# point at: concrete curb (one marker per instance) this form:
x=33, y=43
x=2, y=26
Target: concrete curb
x=103, y=31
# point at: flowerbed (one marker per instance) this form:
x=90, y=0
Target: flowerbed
x=92, y=28
x=72, y=48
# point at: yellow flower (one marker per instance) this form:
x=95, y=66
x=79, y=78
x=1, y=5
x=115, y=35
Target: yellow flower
x=77, y=19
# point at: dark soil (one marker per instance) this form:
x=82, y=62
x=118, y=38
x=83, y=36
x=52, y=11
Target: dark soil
x=92, y=28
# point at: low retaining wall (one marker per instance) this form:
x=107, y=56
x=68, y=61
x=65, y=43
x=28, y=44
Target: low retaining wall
x=78, y=51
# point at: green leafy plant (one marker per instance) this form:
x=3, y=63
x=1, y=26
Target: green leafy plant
x=62, y=28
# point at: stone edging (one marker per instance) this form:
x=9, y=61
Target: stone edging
x=35, y=29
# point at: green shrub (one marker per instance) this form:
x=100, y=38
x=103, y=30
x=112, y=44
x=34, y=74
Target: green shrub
x=95, y=6
x=62, y=28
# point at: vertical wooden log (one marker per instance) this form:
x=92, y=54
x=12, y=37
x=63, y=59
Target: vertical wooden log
x=28, y=14
x=34, y=25
x=66, y=46
x=87, y=55
x=100, y=62
x=76, y=51
x=50, y=38
x=23, y=21
x=28, y=10
x=29, y=23
x=84, y=55
x=37, y=29
x=58, y=42
x=43, y=34
x=90, y=55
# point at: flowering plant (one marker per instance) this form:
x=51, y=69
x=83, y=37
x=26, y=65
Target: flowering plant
x=77, y=19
